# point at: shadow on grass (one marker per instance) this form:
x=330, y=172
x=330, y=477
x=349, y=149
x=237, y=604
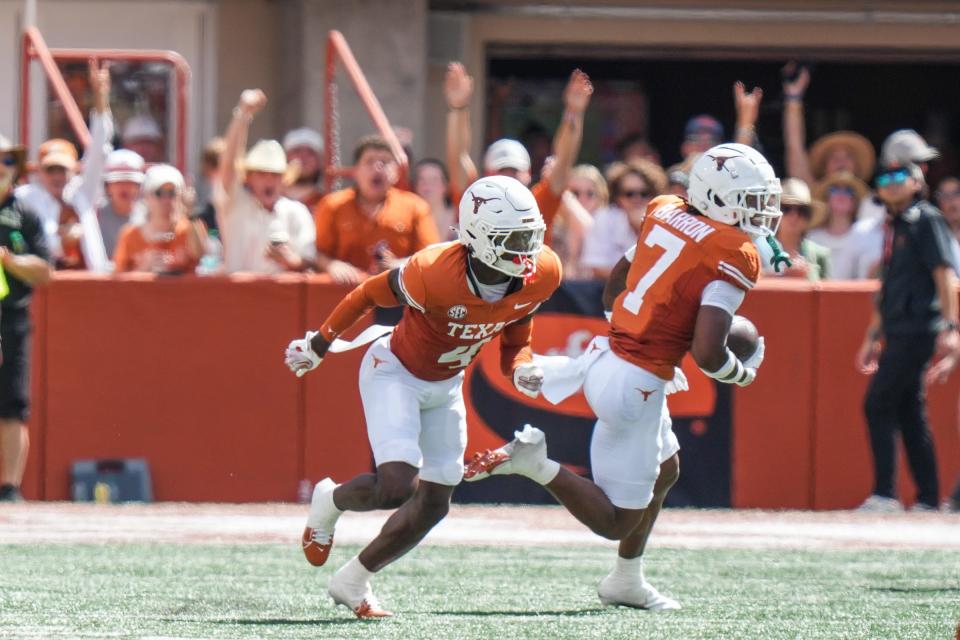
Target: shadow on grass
x=291, y=622
x=569, y=613
x=916, y=589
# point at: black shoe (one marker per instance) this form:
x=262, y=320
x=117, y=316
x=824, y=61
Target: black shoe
x=10, y=493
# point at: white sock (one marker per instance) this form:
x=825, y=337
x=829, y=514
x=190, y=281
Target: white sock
x=354, y=572
x=629, y=568
x=545, y=472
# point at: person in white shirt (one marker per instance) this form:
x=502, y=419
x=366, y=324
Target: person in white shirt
x=632, y=186
x=122, y=203
x=58, y=184
x=855, y=246
x=262, y=231
x=948, y=201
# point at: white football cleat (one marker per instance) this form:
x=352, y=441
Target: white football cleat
x=880, y=504
x=358, y=598
x=321, y=521
x=524, y=455
x=637, y=593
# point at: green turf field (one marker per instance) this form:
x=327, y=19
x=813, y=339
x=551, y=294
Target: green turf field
x=268, y=591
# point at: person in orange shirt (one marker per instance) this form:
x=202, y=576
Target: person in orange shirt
x=167, y=242
x=369, y=227
x=676, y=290
x=458, y=296
x=508, y=157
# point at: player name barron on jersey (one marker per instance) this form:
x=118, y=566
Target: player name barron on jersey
x=685, y=223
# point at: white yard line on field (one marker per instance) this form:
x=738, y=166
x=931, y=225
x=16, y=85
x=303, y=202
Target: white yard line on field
x=46, y=523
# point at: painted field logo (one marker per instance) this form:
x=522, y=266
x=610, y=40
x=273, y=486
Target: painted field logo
x=457, y=312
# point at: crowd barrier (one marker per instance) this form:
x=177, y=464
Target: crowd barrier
x=188, y=373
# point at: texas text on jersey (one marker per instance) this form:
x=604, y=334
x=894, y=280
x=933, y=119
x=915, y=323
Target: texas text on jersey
x=446, y=323
x=678, y=253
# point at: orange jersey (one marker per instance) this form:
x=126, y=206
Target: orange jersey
x=404, y=224
x=167, y=253
x=446, y=324
x=678, y=253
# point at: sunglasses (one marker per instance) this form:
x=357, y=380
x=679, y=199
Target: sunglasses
x=636, y=194
x=798, y=209
x=165, y=193
x=839, y=190
x=8, y=161
x=947, y=195
x=900, y=176
x=586, y=194
x=54, y=169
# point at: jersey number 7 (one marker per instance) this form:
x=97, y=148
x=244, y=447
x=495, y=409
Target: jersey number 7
x=672, y=246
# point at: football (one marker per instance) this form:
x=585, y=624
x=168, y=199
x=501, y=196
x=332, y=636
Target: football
x=743, y=337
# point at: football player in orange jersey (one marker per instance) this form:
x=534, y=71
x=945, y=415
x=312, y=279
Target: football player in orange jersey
x=676, y=291
x=458, y=297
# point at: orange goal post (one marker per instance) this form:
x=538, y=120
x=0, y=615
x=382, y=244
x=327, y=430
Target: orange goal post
x=339, y=51
x=35, y=48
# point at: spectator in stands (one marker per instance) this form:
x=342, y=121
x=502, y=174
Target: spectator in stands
x=304, y=148
x=948, y=200
x=166, y=242
x=24, y=261
x=854, y=248
x=122, y=179
x=509, y=157
x=678, y=181
x=262, y=231
x=209, y=177
x=800, y=212
x=747, y=107
x=907, y=146
x=372, y=225
x=842, y=151
x=586, y=193
x=635, y=146
x=699, y=134
x=142, y=134
x=431, y=182
x=632, y=186
x=915, y=318
x=66, y=202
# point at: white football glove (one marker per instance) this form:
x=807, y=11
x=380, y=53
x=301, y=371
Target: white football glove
x=528, y=378
x=754, y=361
x=750, y=377
x=300, y=356
x=679, y=382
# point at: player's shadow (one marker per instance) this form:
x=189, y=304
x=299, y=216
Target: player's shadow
x=568, y=613
x=916, y=589
x=291, y=622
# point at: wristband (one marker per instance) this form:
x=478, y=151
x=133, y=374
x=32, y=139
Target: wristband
x=787, y=97
x=571, y=117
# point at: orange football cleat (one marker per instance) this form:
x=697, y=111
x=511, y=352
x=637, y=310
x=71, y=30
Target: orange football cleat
x=371, y=610
x=483, y=463
x=316, y=546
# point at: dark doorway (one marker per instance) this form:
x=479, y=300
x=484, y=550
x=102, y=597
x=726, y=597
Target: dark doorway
x=654, y=93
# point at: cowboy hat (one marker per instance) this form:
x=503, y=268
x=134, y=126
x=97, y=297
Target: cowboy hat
x=863, y=153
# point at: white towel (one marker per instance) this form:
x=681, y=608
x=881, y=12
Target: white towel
x=563, y=376
x=368, y=335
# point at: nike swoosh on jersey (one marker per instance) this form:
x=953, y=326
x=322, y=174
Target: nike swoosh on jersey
x=521, y=306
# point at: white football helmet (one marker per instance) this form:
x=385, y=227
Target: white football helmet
x=501, y=224
x=734, y=184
